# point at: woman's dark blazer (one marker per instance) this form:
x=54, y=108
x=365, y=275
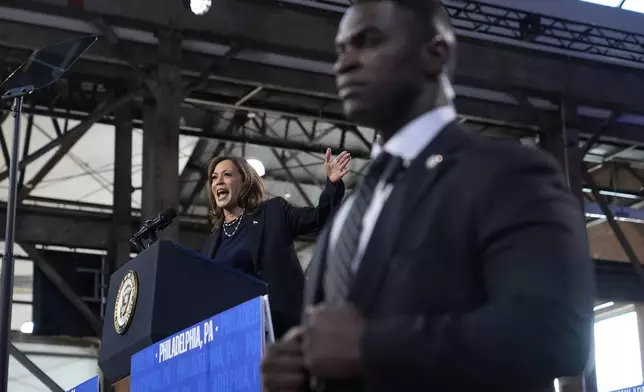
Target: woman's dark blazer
x=273, y=227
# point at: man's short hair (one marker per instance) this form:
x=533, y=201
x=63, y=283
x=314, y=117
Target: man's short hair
x=432, y=16
x=432, y=20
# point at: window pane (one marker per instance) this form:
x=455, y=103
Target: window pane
x=634, y=5
x=617, y=353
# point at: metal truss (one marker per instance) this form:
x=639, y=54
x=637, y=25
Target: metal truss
x=225, y=113
x=286, y=139
x=546, y=31
x=512, y=26
x=80, y=92
x=611, y=219
x=222, y=123
x=604, y=182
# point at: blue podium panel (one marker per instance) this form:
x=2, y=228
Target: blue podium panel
x=220, y=354
x=638, y=388
x=90, y=385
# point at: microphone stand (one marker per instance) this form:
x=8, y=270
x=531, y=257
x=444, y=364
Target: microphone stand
x=148, y=234
x=8, y=260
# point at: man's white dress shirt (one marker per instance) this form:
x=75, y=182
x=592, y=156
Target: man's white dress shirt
x=407, y=143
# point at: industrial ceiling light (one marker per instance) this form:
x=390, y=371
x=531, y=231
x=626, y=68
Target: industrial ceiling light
x=603, y=306
x=633, y=5
x=257, y=165
x=27, y=327
x=198, y=7
x=608, y=3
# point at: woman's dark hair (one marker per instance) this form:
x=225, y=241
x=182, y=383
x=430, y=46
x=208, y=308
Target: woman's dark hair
x=252, y=189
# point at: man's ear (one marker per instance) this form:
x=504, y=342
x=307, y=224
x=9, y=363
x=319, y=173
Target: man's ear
x=435, y=55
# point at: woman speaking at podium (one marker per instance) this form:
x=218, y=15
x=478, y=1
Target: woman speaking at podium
x=256, y=236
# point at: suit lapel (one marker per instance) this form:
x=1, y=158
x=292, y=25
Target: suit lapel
x=255, y=223
x=213, y=243
x=423, y=174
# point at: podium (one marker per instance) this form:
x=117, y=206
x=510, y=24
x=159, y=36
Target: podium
x=164, y=290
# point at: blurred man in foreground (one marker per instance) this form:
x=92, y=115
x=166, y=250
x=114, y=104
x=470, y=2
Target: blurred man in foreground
x=459, y=262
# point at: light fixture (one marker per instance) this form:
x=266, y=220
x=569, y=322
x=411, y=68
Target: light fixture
x=257, y=165
x=603, y=306
x=27, y=327
x=607, y=3
x=198, y=7
x=287, y=195
x=633, y=5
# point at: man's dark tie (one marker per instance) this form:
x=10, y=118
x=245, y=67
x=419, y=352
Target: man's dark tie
x=339, y=275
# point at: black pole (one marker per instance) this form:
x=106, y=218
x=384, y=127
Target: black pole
x=8, y=259
x=33, y=369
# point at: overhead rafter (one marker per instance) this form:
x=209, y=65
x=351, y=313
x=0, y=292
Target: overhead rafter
x=507, y=64
x=71, y=136
x=528, y=29
x=86, y=229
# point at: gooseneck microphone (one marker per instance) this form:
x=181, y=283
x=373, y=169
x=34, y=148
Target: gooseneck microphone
x=148, y=232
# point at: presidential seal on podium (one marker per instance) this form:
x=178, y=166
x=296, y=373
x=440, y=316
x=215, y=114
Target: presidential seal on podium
x=125, y=302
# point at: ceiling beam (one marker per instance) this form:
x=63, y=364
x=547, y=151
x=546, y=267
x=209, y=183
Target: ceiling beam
x=296, y=88
x=482, y=63
x=508, y=117
x=85, y=229
x=81, y=229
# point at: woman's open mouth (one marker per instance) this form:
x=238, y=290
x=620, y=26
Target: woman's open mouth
x=222, y=194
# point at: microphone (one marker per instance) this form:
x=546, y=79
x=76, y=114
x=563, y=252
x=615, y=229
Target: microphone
x=151, y=227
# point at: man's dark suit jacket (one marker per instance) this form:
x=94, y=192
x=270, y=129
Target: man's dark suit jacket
x=273, y=254
x=477, y=276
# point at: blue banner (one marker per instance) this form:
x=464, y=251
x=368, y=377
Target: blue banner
x=638, y=388
x=90, y=385
x=221, y=354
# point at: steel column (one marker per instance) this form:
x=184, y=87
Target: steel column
x=8, y=262
x=573, y=157
x=119, y=246
x=161, y=134
x=563, y=143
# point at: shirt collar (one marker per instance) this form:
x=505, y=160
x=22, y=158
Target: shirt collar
x=414, y=137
